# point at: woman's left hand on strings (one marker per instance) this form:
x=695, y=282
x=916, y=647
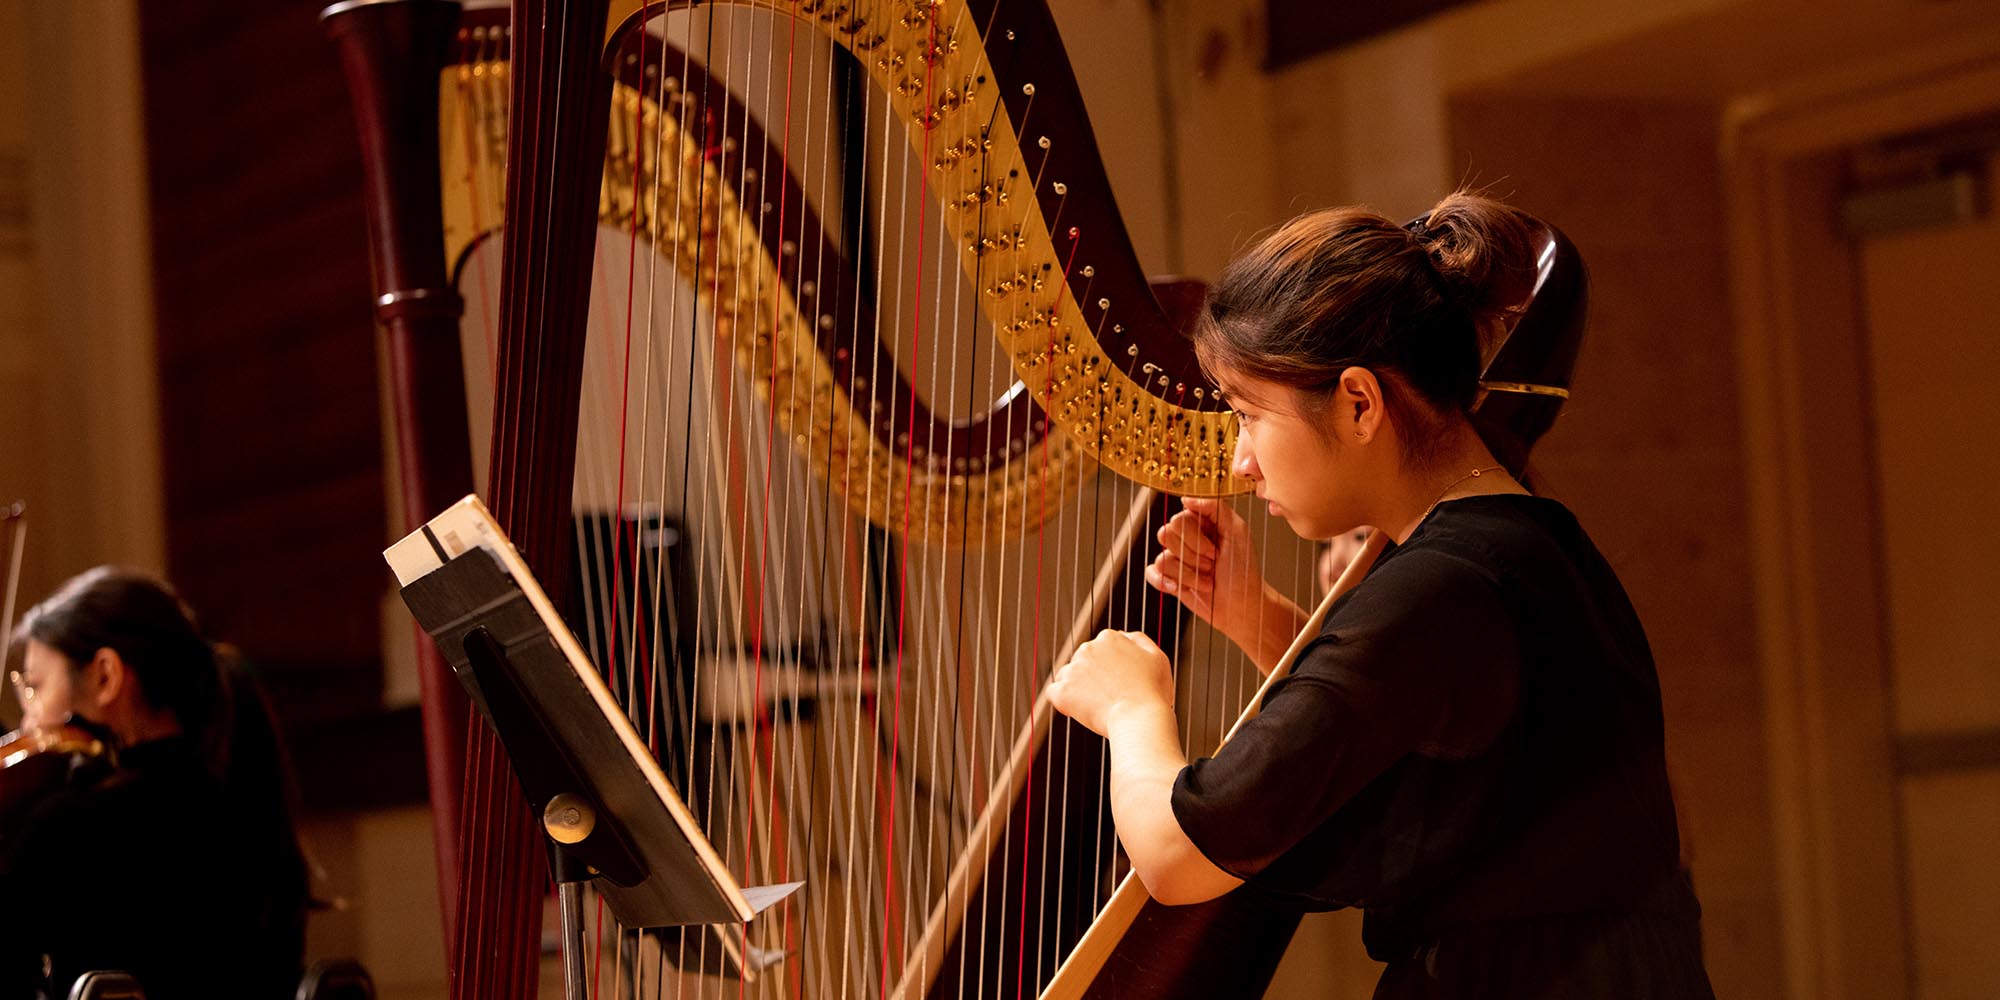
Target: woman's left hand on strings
x=1112, y=673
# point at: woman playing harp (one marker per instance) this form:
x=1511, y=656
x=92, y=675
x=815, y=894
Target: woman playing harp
x=1471, y=748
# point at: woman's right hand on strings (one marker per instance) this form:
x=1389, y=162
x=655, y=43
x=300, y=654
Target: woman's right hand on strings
x=1210, y=564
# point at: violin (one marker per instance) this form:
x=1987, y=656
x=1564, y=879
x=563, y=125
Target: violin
x=37, y=762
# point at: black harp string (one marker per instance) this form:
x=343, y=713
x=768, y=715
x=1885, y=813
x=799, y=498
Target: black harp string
x=689, y=130
x=1058, y=772
x=740, y=418
x=757, y=537
x=740, y=776
x=819, y=637
x=878, y=560
x=896, y=545
x=697, y=369
x=641, y=644
x=1009, y=896
x=995, y=744
x=945, y=816
x=988, y=749
x=857, y=543
x=649, y=685
x=924, y=754
x=719, y=402
x=598, y=575
x=801, y=636
x=542, y=326
x=924, y=780
x=799, y=781
x=803, y=799
x=467, y=794
x=787, y=727
x=800, y=778
x=604, y=558
x=664, y=625
x=735, y=490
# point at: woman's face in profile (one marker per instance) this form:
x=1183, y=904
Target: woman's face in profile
x=43, y=685
x=1282, y=446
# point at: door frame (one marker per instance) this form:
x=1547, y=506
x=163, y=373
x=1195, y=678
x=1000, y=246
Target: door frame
x=1811, y=481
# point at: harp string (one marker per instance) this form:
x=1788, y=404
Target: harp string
x=462, y=107
x=837, y=904
x=893, y=267
x=792, y=920
x=771, y=737
x=687, y=124
x=892, y=942
x=853, y=953
x=985, y=752
x=725, y=742
x=825, y=561
x=962, y=761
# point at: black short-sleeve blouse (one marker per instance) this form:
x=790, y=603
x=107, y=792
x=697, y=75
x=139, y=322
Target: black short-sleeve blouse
x=1472, y=751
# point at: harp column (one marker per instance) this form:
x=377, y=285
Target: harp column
x=392, y=52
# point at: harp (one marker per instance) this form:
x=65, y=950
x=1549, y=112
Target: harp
x=819, y=362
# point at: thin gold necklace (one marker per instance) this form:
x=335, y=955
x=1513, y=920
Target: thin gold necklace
x=1474, y=474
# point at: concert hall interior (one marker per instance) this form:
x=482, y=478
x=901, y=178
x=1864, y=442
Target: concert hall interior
x=825, y=583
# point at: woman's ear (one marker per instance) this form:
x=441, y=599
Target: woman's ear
x=108, y=676
x=1359, y=398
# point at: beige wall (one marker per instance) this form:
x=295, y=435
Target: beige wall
x=1931, y=304
x=1193, y=192
x=20, y=371
x=78, y=430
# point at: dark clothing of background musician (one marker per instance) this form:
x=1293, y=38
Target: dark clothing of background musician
x=157, y=872
x=1472, y=751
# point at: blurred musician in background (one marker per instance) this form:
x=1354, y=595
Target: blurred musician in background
x=177, y=864
x=1336, y=554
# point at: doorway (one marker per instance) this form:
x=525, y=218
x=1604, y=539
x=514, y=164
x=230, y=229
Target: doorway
x=1871, y=329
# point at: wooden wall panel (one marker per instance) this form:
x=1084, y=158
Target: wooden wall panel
x=272, y=439
x=1301, y=29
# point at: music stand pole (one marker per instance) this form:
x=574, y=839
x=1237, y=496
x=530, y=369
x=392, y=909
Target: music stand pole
x=569, y=819
x=569, y=875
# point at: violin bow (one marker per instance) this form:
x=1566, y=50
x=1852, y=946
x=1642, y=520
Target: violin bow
x=15, y=534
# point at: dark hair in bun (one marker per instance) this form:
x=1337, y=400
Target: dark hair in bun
x=1420, y=306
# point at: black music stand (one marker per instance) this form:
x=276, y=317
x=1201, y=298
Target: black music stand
x=609, y=812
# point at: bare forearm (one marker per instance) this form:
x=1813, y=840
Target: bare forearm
x=1266, y=639
x=1146, y=759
